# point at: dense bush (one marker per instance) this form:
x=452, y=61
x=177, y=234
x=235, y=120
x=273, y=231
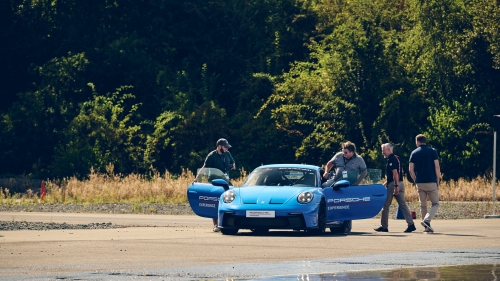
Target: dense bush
x=152, y=83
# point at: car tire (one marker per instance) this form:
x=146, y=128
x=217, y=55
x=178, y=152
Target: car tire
x=230, y=231
x=337, y=230
x=347, y=226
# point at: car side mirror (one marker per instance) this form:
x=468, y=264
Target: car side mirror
x=221, y=182
x=341, y=184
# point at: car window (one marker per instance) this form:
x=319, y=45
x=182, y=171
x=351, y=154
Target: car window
x=373, y=176
x=207, y=175
x=281, y=177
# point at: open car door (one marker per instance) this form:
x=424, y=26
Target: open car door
x=203, y=196
x=345, y=202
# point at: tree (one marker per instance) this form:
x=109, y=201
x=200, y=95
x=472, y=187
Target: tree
x=104, y=132
x=455, y=74
x=335, y=96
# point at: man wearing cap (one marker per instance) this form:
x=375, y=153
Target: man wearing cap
x=221, y=159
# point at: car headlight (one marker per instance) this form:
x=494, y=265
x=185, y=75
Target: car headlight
x=305, y=197
x=229, y=196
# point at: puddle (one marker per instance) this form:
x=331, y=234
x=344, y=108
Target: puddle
x=490, y=272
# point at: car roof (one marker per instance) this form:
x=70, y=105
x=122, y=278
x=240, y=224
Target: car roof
x=301, y=166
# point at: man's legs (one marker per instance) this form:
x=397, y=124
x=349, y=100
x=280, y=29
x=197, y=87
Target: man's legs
x=434, y=198
x=424, y=190
x=216, y=228
x=422, y=197
x=400, y=198
x=384, y=220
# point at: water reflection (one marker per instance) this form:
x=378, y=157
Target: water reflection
x=476, y=272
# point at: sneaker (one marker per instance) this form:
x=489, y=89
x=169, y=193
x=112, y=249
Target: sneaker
x=411, y=228
x=381, y=229
x=216, y=229
x=347, y=231
x=427, y=226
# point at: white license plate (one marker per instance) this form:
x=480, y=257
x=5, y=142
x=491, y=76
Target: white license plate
x=260, y=214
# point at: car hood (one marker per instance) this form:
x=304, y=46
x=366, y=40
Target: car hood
x=269, y=194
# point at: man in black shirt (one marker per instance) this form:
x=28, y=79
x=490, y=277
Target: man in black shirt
x=395, y=188
x=426, y=174
x=221, y=159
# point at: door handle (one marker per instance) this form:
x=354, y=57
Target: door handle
x=378, y=195
x=192, y=191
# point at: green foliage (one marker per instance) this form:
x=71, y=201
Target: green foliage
x=283, y=80
x=335, y=96
x=36, y=121
x=462, y=145
x=454, y=75
x=104, y=132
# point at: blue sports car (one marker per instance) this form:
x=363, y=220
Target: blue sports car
x=282, y=196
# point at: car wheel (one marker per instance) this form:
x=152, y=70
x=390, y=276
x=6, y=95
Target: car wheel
x=347, y=226
x=227, y=231
x=321, y=220
x=339, y=229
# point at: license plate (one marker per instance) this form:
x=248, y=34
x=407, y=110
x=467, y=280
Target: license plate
x=260, y=214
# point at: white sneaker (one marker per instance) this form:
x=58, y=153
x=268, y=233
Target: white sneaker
x=216, y=229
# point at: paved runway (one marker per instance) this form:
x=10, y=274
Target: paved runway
x=184, y=247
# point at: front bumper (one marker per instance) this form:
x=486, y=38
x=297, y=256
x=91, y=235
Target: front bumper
x=301, y=218
x=231, y=220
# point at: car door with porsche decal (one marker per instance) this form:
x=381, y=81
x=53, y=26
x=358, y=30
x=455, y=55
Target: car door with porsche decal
x=203, y=196
x=354, y=202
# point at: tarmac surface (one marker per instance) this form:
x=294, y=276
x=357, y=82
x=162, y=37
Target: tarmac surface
x=175, y=247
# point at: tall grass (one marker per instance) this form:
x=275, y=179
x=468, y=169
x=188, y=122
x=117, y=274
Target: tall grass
x=478, y=189
x=111, y=188
x=167, y=188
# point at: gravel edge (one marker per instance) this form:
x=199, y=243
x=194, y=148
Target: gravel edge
x=103, y=208
x=447, y=211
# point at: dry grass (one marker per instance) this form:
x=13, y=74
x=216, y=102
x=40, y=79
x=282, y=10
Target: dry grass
x=168, y=188
x=111, y=188
x=479, y=189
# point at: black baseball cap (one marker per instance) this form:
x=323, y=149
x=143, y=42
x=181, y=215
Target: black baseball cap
x=224, y=143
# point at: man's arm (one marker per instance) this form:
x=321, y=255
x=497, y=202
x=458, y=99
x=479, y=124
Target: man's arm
x=328, y=167
x=438, y=171
x=395, y=176
x=231, y=161
x=208, y=161
x=412, y=172
x=361, y=177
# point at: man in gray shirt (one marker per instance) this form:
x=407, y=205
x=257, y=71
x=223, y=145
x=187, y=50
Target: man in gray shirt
x=348, y=166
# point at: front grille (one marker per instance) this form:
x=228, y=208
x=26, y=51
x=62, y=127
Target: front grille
x=295, y=221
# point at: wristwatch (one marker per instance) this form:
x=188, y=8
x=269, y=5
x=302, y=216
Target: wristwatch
x=395, y=185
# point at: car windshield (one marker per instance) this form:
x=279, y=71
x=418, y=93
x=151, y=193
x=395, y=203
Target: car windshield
x=207, y=175
x=282, y=177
